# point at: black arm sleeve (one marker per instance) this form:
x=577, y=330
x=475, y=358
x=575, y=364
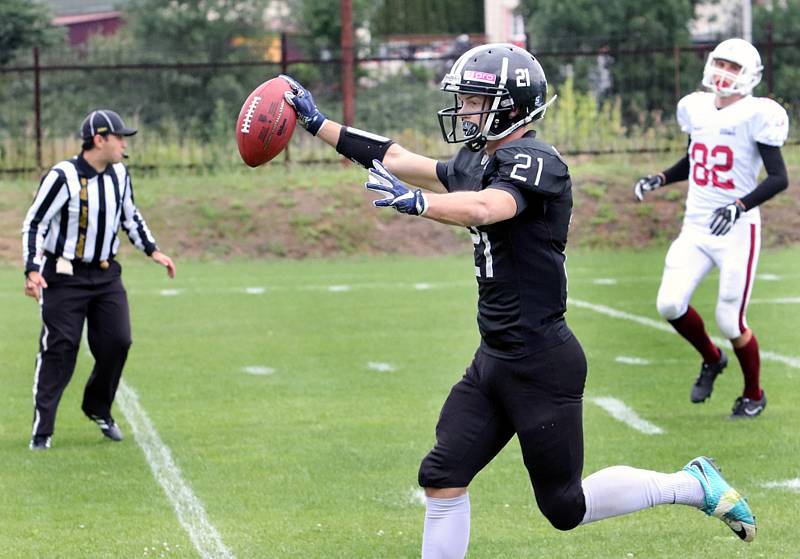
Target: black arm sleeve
x=362, y=147
x=776, y=181
x=679, y=171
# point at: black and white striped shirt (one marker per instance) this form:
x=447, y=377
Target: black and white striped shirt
x=77, y=213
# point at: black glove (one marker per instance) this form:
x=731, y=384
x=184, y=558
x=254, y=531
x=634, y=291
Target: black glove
x=646, y=184
x=724, y=217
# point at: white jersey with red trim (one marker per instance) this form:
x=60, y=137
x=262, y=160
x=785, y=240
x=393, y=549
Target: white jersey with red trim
x=723, y=155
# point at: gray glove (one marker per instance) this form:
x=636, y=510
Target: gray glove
x=646, y=184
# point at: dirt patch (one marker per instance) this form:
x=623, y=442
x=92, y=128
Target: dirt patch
x=314, y=222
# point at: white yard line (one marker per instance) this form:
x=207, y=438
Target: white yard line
x=381, y=367
x=417, y=496
x=791, y=484
x=789, y=360
x=258, y=370
x=627, y=360
x=621, y=412
x=190, y=511
x=776, y=301
x=339, y=288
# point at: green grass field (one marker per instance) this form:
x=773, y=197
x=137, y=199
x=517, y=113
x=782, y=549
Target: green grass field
x=314, y=452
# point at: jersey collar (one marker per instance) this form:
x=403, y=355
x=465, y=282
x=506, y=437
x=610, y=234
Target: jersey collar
x=84, y=169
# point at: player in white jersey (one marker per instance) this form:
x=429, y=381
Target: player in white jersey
x=730, y=134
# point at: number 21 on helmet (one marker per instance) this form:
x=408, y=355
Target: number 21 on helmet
x=509, y=77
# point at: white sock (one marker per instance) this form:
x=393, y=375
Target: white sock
x=621, y=490
x=446, y=533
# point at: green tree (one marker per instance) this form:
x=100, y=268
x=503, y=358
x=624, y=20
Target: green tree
x=194, y=30
x=23, y=24
x=185, y=31
x=320, y=22
x=621, y=32
x=784, y=21
x=422, y=16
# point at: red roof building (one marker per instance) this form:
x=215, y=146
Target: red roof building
x=81, y=26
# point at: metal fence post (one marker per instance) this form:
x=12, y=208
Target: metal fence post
x=37, y=108
x=285, y=70
x=676, y=53
x=284, y=56
x=348, y=91
x=770, y=48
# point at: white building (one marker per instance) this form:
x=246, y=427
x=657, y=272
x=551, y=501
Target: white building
x=502, y=25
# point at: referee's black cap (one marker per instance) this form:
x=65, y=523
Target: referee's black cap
x=104, y=121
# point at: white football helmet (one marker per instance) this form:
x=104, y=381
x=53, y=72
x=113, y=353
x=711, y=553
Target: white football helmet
x=739, y=52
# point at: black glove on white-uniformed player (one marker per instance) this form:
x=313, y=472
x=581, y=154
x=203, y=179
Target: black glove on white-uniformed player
x=647, y=184
x=724, y=217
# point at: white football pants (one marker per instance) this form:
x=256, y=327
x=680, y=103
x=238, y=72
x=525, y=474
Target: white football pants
x=693, y=254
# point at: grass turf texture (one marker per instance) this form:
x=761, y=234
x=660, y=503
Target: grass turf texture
x=319, y=458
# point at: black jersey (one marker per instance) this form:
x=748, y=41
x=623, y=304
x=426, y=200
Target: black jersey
x=519, y=262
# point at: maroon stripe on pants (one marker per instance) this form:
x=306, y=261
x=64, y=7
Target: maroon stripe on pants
x=749, y=276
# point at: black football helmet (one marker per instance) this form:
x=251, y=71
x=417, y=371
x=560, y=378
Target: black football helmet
x=509, y=77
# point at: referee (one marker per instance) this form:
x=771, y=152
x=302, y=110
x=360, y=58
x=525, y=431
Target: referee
x=69, y=241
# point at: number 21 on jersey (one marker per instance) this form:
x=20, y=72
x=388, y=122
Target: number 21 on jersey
x=482, y=238
x=525, y=163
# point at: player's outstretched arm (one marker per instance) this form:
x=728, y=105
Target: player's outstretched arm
x=456, y=208
x=361, y=146
x=413, y=168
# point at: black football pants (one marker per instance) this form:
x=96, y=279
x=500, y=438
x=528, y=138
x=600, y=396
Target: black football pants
x=538, y=398
x=90, y=295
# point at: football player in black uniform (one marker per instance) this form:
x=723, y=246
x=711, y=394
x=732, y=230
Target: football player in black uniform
x=513, y=192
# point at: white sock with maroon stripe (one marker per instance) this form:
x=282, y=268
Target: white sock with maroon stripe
x=446, y=533
x=621, y=490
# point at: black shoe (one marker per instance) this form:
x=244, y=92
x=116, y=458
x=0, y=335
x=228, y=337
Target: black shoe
x=39, y=442
x=745, y=408
x=108, y=427
x=708, y=374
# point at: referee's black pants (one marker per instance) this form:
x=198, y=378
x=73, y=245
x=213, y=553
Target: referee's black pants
x=90, y=295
